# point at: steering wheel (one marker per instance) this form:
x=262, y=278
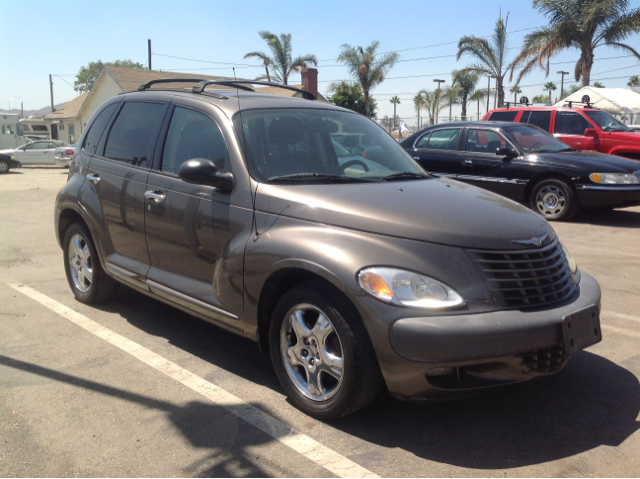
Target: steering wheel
x=352, y=163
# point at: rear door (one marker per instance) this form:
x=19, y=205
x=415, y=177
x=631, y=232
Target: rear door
x=117, y=175
x=190, y=229
x=437, y=151
x=570, y=126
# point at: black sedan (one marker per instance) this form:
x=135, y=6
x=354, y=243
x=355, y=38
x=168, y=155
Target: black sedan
x=528, y=165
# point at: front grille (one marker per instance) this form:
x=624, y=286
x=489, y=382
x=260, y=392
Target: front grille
x=637, y=173
x=544, y=361
x=526, y=278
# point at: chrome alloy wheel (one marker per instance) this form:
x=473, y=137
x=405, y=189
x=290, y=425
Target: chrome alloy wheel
x=312, y=352
x=551, y=201
x=4, y=167
x=80, y=263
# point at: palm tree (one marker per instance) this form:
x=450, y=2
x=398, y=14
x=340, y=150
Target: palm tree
x=490, y=55
x=478, y=96
x=581, y=24
x=515, y=89
x=465, y=81
x=549, y=86
x=395, y=100
x=451, y=95
x=282, y=62
x=432, y=103
x=598, y=85
x=634, y=80
x=363, y=66
x=418, y=103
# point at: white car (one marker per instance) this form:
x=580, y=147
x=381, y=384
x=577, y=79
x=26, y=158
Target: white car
x=36, y=153
x=64, y=154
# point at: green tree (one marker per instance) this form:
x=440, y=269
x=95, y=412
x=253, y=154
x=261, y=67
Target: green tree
x=634, y=80
x=465, y=81
x=349, y=95
x=366, y=69
x=418, y=104
x=489, y=55
x=478, y=96
x=432, y=103
x=88, y=75
x=282, y=62
x=396, y=101
x=451, y=96
x=581, y=24
x=574, y=88
x=598, y=85
x=515, y=89
x=542, y=99
x=550, y=86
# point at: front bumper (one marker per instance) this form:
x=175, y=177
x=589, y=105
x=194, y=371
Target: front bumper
x=474, y=351
x=608, y=196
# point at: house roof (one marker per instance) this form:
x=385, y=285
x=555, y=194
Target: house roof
x=69, y=110
x=130, y=79
x=273, y=90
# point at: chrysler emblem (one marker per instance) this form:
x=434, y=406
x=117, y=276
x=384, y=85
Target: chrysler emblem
x=534, y=241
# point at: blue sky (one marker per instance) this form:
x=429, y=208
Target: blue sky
x=60, y=37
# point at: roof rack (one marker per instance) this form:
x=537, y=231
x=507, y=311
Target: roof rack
x=199, y=88
x=201, y=84
x=585, y=101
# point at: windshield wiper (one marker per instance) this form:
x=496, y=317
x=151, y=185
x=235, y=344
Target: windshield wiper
x=567, y=149
x=406, y=175
x=315, y=177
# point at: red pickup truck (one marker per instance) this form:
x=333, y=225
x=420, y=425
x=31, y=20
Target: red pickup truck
x=580, y=128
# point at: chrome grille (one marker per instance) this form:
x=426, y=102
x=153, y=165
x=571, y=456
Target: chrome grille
x=544, y=361
x=526, y=278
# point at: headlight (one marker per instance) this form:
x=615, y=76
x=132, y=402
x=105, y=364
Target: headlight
x=573, y=266
x=614, y=178
x=14, y=158
x=404, y=288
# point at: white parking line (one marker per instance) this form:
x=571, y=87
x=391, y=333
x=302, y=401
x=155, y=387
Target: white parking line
x=620, y=331
x=620, y=316
x=301, y=443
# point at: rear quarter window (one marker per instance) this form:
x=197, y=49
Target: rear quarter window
x=503, y=115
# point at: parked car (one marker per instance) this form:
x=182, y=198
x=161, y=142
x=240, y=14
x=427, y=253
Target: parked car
x=581, y=128
x=243, y=209
x=36, y=153
x=528, y=165
x=8, y=161
x=64, y=154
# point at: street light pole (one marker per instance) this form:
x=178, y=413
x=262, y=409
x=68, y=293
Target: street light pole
x=438, y=105
x=562, y=83
x=495, y=98
x=488, y=90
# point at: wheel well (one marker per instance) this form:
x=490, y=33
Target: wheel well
x=545, y=176
x=630, y=155
x=67, y=218
x=275, y=286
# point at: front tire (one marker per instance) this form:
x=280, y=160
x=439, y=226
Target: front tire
x=87, y=279
x=4, y=167
x=554, y=200
x=321, y=352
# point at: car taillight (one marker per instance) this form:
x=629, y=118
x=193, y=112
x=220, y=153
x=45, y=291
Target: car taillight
x=69, y=152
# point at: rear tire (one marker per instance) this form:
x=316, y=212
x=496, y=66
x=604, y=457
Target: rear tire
x=554, y=200
x=86, y=277
x=322, y=353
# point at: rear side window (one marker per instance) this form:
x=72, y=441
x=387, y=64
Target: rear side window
x=484, y=141
x=422, y=142
x=444, y=139
x=93, y=137
x=193, y=135
x=132, y=136
x=503, y=115
x=541, y=119
x=570, y=123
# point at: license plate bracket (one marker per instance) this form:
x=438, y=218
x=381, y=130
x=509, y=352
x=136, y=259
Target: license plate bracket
x=581, y=329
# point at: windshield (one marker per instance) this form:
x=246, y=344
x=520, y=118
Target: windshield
x=605, y=121
x=320, y=145
x=534, y=140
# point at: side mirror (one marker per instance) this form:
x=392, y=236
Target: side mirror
x=506, y=152
x=591, y=133
x=198, y=171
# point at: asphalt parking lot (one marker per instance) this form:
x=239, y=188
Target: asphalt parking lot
x=136, y=388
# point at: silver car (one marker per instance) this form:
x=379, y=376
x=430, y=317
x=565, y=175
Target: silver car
x=64, y=154
x=35, y=153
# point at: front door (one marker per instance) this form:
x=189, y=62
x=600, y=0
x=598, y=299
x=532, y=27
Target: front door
x=437, y=151
x=117, y=177
x=189, y=228
x=36, y=153
x=570, y=127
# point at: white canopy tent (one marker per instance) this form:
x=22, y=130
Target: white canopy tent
x=617, y=101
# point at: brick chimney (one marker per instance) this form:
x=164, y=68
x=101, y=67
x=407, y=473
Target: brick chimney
x=310, y=80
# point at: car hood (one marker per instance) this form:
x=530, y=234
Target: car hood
x=10, y=151
x=437, y=210
x=598, y=162
x=625, y=136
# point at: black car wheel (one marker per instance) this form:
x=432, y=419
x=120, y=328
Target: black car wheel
x=4, y=167
x=321, y=352
x=554, y=200
x=87, y=279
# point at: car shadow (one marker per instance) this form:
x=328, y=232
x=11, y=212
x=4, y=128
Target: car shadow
x=590, y=403
x=14, y=172
x=622, y=218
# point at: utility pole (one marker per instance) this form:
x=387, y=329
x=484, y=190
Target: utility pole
x=51, y=90
x=21, y=109
x=149, y=48
x=438, y=82
x=562, y=83
x=488, y=91
x=266, y=67
x=495, y=97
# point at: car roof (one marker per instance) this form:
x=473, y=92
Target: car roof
x=461, y=124
x=547, y=107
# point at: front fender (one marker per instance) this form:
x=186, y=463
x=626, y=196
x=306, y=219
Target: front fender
x=621, y=150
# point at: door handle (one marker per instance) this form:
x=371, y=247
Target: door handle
x=416, y=157
x=95, y=179
x=157, y=196
x=467, y=163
